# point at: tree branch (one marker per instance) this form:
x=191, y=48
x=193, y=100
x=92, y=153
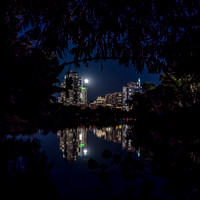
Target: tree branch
x=89, y=59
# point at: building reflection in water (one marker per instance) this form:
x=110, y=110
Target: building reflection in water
x=118, y=134
x=73, y=141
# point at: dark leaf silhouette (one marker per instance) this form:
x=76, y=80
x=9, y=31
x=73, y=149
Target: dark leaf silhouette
x=103, y=166
x=106, y=154
x=92, y=164
x=116, y=159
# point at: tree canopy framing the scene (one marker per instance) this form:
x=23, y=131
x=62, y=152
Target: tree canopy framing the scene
x=153, y=34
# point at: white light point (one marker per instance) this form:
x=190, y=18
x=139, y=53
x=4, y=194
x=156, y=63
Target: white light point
x=85, y=151
x=86, y=81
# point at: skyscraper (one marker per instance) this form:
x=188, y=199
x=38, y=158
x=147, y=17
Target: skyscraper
x=128, y=91
x=83, y=92
x=62, y=98
x=74, y=92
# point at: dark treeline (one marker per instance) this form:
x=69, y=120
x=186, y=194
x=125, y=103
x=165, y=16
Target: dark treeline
x=72, y=116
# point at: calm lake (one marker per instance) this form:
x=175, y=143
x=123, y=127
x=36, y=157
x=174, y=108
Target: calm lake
x=69, y=151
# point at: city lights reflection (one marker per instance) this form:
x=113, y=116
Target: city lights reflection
x=85, y=151
x=73, y=142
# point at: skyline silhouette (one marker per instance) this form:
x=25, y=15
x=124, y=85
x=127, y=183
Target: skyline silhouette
x=109, y=78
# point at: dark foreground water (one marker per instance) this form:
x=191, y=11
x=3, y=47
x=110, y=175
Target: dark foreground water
x=69, y=151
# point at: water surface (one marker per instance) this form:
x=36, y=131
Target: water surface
x=69, y=151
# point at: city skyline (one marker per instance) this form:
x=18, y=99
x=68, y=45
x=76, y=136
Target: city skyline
x=75, y=93
x=109, y=78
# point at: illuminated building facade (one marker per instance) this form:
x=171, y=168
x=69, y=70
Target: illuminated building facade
x=114, y=100
x=62, y=98
x=101, y=101
x=128, y=91
x=74, y=93
x=83, y=94
x=77, y=94
x=117, y=100
x=108, y=98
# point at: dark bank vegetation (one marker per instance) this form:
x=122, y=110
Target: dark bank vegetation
x=72, y=116
x=25, y=170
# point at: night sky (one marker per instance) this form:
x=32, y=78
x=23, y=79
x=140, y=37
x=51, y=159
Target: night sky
x=108, y=79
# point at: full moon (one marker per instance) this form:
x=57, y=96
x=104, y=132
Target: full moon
x=86, y=80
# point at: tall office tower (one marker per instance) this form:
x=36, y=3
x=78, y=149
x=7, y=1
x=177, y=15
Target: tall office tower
x=124, y=97
x=62, y=98
x=83, y=92
x=74, y=91
x=128, y=92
